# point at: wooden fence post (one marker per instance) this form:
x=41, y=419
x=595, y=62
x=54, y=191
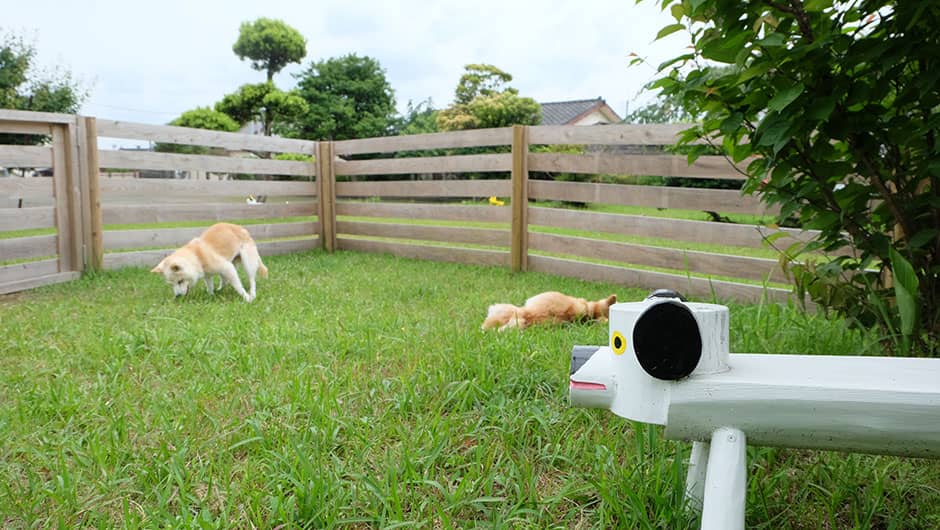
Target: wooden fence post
x=78, y=207
x=326, y=196
x=520, y=198
x=80, y=182
x=88, y=130
x=65, y=189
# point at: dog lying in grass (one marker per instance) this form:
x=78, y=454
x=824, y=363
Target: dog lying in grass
x=552, y=307
x=214, y=253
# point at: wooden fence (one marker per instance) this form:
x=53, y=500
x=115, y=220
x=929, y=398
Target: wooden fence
x=342, y=198
x=80, y=219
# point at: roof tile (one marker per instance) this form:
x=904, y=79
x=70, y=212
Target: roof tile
x=562, y=112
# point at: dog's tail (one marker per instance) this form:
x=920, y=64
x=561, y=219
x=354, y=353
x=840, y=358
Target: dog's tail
x=504, y=316
x=250, y=256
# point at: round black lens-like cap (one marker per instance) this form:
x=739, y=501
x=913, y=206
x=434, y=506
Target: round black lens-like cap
x=665, y=293
x=667, y=341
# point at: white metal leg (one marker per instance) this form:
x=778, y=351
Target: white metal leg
x=726, y=481
x=695, y=479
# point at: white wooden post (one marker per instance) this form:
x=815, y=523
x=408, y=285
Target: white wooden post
x=726, y=481
x=695, y=478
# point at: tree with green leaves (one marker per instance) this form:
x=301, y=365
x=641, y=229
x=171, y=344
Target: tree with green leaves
x=24, y=87
x=270, y=45
x=480, y=80
x=263, y=103
x=347, y=97
x=484, y=99
x=420, y=118
x=666, y=109
x=198, y=118
x=669, y=109
x=838, y=104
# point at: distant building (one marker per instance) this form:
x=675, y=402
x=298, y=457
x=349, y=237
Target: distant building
x=579, y=112
x=252, y=127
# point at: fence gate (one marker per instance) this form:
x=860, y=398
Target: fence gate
x=50, y=226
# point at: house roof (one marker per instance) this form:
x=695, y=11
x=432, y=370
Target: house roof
x=566, y=112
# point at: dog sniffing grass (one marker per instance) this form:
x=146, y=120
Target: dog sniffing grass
x=213, y=254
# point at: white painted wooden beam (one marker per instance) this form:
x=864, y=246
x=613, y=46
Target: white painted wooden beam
x=879, y=405
x=695, y=478
x=726, y=481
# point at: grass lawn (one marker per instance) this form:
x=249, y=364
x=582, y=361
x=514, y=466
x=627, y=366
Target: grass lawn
x=358, y=391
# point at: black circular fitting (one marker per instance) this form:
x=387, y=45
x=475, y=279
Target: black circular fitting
x=665, y=293
x=667, y=341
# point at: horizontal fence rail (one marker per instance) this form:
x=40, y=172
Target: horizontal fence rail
x=31, y=118
x=666, y=258
x=173, y=187
x=419, y=196
x=432, y=188
x=25, y=156
x=436, y=164
x=728, y=201
x=425, y=142
x=175, y=237
x=220, y=164
x=17, y=127
x=713, y=167
x=188, y=136
x=442, y=212
x=447, y=234
x=23, y=271
x=447, y=254
x=632, y=134
x=27, y=218
x=687, y=285
x=33, y=274
x=28, y=247
x=149, y=258
x=167, y=213
x=738, y=235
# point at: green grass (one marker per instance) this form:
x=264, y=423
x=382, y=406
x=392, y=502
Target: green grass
x=357, y=391
x=29, y=232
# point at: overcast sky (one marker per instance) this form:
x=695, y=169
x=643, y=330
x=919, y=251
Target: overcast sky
x=150, y=61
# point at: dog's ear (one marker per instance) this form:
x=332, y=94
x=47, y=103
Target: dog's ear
x=159, y=268
x=601, y=308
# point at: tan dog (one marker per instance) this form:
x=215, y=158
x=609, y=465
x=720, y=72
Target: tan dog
x=552, y=307
x=214, y=252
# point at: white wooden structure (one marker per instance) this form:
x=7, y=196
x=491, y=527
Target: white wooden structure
x=667, y=363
